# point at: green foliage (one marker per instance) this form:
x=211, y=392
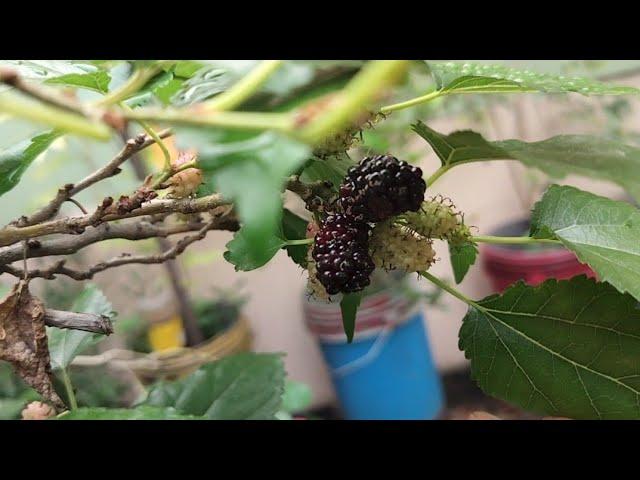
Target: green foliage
x=462, y=257
x=245, y=386
x=16, y=159
x=65, y=344
x=294, y=228
x=349, y=307
x=602, y=232
x=477, y=78
x=332, y=169
x=564, y=348
x=98, y=81
x=46, y=70
x=142, y=412
x=252, y=170
x=14, y=393
x=296, y=398
x=558, y=156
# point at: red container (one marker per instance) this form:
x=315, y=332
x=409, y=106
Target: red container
x=506, y=264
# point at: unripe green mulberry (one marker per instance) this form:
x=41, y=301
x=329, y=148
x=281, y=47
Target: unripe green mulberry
x=437, y=218
x=393, y=247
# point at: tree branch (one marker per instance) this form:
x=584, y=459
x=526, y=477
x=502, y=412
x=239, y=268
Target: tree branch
x=132, y=146
x=59, y=268
x=87, y=322
x=134, y=230
x=77, y=225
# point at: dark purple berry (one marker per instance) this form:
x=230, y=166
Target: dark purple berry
x=341, y=255
x=380, y=187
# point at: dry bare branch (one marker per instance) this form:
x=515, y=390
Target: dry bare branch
x=87, y=322
x=77, y=225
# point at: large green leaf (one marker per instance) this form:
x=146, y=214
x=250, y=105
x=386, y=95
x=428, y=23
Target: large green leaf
x=97, y=81
x=245, y=386
x=142, y=412
x=564, y=348
x=462, y=257
x=16, y=159
x=252, y=172
x=454, y=77
x=558, y=156
x=65, y=344
x=603, y=233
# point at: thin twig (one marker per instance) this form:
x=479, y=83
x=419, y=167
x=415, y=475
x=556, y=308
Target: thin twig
x=132, y=146
x=77, y=225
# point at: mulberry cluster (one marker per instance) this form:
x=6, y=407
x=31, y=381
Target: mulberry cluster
x=373, y=191
x=340, y=253
x=393, y=247
x=381, y=187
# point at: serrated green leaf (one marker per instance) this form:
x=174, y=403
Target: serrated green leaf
x=467, y=75
x=142, y=412
x=462, y=257
x=245, y=386
x=564, y=348
x=252, y=172
x=474, y=84
x=16, y=159
x=294, y=228
x=558, y=156
x=239, y=251
x=459, y=147
x=65, y=344
x=349, y=308
x=602, y=232
x=97, y=81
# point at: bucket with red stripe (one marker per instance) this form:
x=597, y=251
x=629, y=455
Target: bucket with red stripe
x=387, y=372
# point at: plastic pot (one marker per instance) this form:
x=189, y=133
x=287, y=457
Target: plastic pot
x=506, y=264
x=387, y=372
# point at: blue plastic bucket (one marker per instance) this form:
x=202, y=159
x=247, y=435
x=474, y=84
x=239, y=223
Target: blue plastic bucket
x=388, y=372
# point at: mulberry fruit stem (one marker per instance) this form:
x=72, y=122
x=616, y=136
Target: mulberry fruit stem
x=152, y=133
x=20, y=105
x=438, y=173
x=450, y=290
x=512, y=240
x=242, y=90
x=302, y=241
x=134, y=83
x=69, y=388
x=414, y=101
x=368, y=84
